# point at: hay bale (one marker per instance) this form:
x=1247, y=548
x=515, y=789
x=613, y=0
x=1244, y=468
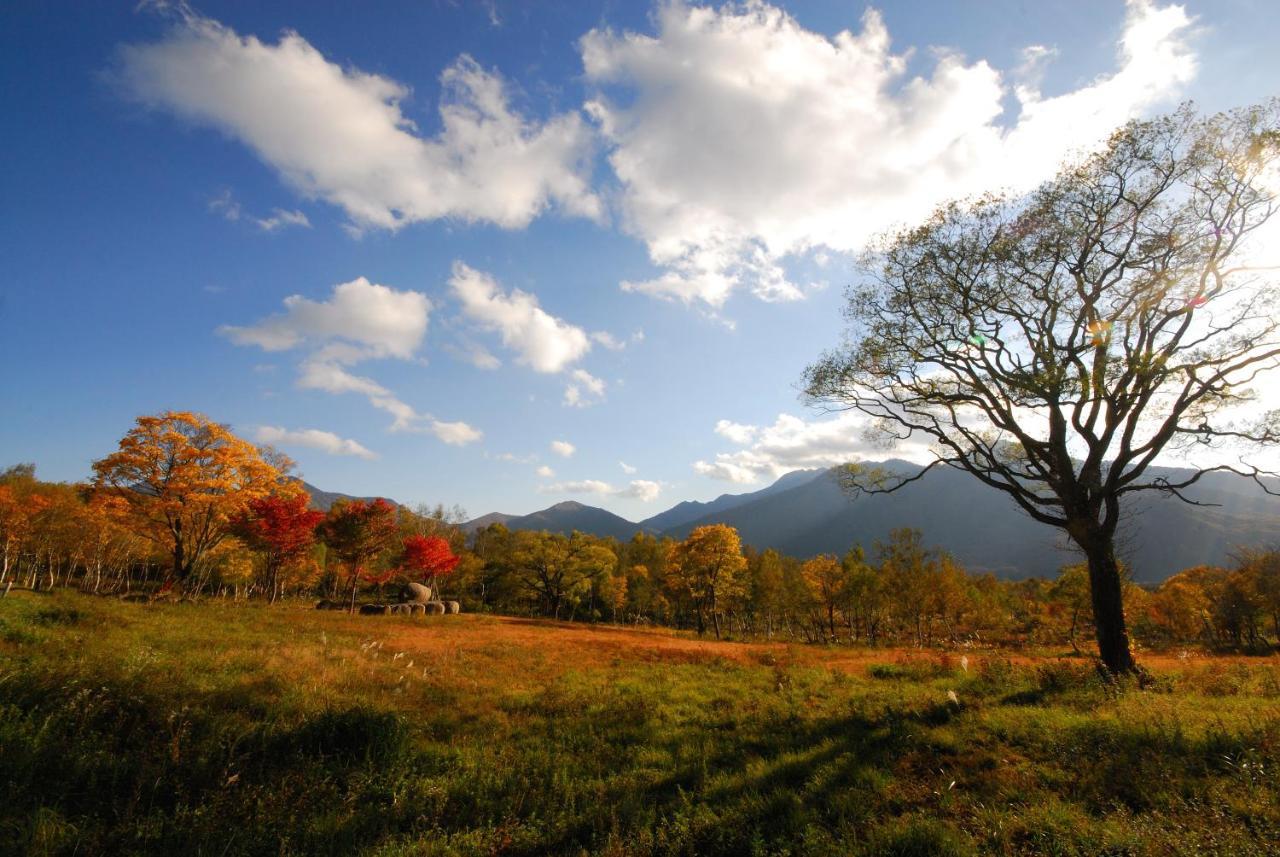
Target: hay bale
x=416, y=609
x=453, y=606
x=435, y=608
x=416, y=593
x=374, y=610
x=400, y=609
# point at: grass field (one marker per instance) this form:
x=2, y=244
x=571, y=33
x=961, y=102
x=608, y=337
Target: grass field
x=215, y=729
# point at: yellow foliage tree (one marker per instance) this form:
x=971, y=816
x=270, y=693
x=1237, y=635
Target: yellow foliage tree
x=825, y=576
x=181, y=477
x=709, y=566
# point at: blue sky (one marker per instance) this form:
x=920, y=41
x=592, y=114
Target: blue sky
x=616, y=226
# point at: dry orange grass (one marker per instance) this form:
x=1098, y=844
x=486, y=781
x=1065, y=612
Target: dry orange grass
x=547, y=649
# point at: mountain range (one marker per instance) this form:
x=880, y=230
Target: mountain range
x=807, y=512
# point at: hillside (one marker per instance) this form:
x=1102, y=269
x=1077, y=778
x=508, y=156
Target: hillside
x=692, y=510
x=569, y=516
x=324, y=500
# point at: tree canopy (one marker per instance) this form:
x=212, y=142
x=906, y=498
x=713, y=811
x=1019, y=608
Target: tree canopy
x=182, y=478
x=1054, y=345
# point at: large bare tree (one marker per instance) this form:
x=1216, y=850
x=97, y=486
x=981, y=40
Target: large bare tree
x=1053, y=345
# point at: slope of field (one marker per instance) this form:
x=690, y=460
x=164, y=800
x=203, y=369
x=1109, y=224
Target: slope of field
x=225, y=729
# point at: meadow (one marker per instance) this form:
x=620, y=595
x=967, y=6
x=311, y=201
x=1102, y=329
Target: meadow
x=214, y=728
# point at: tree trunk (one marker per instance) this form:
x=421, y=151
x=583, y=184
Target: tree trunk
x=1108, y=607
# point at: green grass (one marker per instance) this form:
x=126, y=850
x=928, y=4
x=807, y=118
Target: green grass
x=212, y=729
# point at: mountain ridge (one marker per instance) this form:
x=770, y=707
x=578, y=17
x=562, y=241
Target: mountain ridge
x=805, y=513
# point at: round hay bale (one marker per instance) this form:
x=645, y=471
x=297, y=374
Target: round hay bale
x=374, y=610
x=435, y=608
x=400, y=609
x=416, y=609
x=416, y=593
x=453, y=606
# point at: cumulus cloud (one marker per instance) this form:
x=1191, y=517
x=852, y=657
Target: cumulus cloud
x=719, y=94
x=563, y=448
x=639, y=489
x=338, y=133
x=456, y=433
x=736, y=432
x=359, y=322
x=795, y=444
x=545, y=472
x=539, y=340
x=583, y=389
x=325, y=441
x=381, y=321
x=627, y=468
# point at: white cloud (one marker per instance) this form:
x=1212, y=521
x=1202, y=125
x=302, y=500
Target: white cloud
x=361, y=321
x=639, y=489
x=643, y=490
x=719, y=94
x=454, y=433
x=226, y=205
x=563, y=448
x=382, y=321
x=627, y=468
x=736, y=432
x=280, y=219
x=545, y=472
x=541, y=341
x=608, y=340
x=338, y=133
x=326, y=441
x=794, y=444
x=474, y=353
x=583, y=389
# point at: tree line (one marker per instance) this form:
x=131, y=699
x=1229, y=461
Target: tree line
x=186, y=509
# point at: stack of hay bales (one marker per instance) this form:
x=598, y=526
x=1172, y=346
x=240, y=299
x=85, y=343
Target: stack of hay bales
x=416, y=600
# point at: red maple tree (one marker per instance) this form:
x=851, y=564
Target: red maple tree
x=428, y=557
x=358, y=532
x=280, y=527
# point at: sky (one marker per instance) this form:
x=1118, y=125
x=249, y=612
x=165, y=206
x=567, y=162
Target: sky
x=504, y=254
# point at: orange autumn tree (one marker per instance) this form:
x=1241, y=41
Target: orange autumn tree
x=182, y=478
